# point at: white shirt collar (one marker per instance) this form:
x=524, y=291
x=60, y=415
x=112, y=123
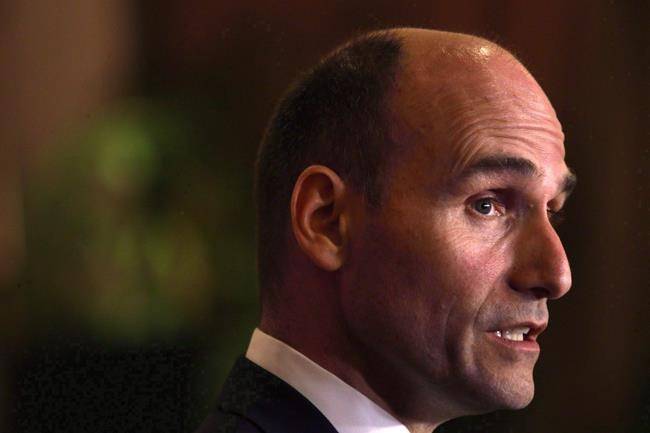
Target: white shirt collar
x=347, y=409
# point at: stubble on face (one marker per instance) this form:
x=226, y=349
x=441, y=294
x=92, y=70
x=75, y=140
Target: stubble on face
x=430, y=280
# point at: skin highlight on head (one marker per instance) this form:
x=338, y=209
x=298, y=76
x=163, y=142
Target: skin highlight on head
x=403, y=301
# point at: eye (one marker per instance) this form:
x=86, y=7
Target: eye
x=486, y=206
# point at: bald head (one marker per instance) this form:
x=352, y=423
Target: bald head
x=443, y=58
x=451, y=89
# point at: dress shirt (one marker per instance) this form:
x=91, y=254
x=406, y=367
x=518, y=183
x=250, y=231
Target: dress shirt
x=347, y=409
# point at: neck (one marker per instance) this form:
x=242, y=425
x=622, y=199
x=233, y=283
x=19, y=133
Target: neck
x=320, y=337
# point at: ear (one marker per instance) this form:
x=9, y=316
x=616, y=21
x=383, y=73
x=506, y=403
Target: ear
x=318, y=218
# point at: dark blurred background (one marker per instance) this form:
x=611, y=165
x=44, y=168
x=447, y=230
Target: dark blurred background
x=127, y=140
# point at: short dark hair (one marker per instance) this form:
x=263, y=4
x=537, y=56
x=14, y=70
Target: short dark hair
x=334, y=115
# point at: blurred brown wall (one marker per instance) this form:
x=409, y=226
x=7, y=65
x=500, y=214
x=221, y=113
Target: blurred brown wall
x=61, y=61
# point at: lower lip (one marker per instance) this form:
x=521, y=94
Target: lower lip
x=525, y=346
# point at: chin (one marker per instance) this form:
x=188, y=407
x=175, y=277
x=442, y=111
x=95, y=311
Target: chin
x=513, y=395
x=518, y=401
x=504, y=394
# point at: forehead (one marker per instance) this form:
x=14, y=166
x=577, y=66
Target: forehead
x=453, y=112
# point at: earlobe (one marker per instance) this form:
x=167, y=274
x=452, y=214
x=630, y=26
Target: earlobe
x=318, y=216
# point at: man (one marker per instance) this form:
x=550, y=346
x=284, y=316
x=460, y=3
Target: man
x=407, y=188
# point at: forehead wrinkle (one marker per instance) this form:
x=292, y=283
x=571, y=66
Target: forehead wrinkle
x=470, y=128
x=459, y=102
x=504, y=113
x=428, y=90
x=500, y=128
x=530, y=140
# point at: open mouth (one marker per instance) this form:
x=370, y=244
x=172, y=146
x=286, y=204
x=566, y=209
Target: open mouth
x=520, y=332
x=514, y=334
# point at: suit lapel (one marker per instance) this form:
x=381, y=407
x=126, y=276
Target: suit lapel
x=269, y=402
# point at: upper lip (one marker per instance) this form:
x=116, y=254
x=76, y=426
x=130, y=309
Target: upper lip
x=536, y=328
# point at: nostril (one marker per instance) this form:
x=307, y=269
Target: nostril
x=540, y=292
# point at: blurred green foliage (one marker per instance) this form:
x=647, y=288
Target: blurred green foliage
x=139, y=230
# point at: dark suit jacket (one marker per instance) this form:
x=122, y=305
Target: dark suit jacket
x=255, y=401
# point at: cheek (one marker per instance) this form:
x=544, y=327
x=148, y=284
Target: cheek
x=468, y=273
x=474, y=268
x=415, y=290
x=476, y=258
x=392, y=300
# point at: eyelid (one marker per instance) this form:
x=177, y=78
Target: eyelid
x=494, y=195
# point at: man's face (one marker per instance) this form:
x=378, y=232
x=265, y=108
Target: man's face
x=455, y=268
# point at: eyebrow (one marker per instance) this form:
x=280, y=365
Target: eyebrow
x=498, y=164
x=501, y=164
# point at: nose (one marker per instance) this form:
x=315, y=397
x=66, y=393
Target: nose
x=540, y=265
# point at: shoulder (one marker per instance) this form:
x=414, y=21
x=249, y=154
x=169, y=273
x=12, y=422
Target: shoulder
x=255, y=401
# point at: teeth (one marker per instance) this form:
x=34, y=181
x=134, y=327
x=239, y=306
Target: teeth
x=516, y=334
